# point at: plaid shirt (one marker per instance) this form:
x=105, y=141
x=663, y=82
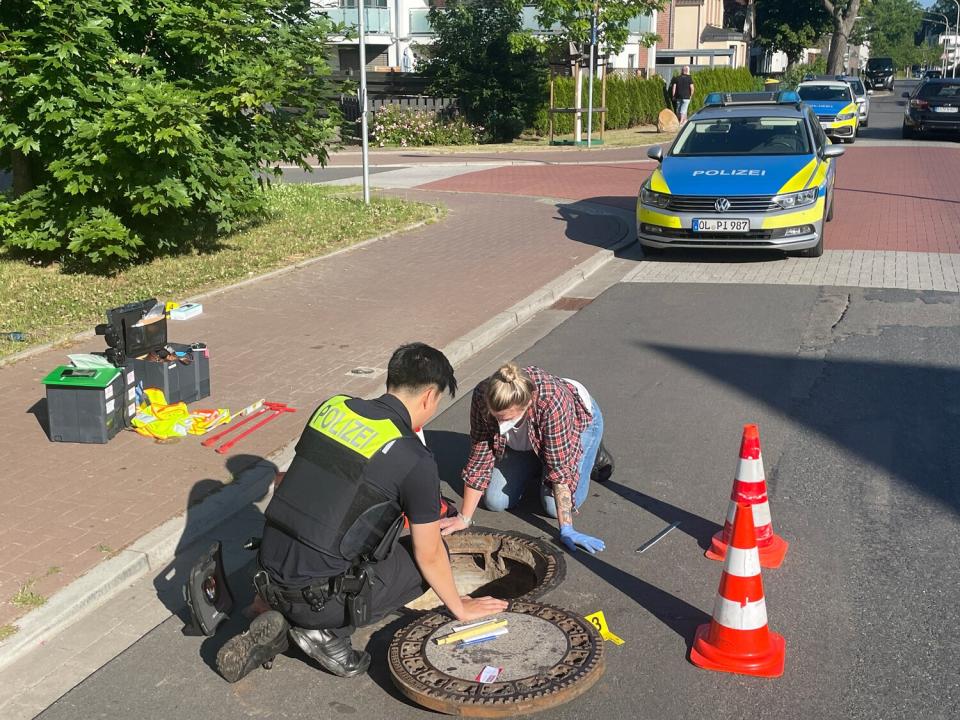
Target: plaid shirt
x=556, y=419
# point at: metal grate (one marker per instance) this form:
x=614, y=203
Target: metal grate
x=706, y=203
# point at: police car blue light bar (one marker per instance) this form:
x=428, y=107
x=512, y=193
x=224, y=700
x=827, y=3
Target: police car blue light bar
x=783, y=97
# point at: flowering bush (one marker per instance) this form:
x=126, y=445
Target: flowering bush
x=395, y=125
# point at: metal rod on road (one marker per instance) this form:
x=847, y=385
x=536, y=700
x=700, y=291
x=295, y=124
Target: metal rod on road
x=657, y=538
x=364, y=147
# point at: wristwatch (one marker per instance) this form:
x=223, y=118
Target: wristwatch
x=467, y=520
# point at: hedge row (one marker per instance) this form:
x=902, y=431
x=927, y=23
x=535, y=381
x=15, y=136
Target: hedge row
x=636, y=101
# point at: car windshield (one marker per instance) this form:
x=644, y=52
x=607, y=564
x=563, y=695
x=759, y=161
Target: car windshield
x=857, y=87
x=880, y=64
x=743, y=136
x=940, y=90
x=823, y=92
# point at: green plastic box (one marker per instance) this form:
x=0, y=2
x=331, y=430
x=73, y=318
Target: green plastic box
x=85, y=405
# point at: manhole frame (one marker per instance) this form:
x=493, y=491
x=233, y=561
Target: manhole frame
x=584, y=669
x=556, y=562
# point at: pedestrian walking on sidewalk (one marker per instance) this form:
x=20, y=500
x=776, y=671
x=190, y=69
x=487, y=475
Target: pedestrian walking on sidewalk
x=331, y=559
x=533, y=430
x=681, y=90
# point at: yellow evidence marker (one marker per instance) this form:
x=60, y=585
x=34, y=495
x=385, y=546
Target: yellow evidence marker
x=600, y=623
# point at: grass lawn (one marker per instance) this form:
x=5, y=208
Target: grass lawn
x=628, y=137
x=305, y=221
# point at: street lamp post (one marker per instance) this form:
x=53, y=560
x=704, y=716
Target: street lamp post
x=593, y=45
x=364, y=147
x=946, y=23
x=956, y=38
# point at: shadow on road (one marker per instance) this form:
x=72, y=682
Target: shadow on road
x=698, y=528
x=903, y=419
x=678, y=615
x=202, y=514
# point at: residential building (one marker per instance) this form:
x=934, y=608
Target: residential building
x=395, y=29
x=692, y=33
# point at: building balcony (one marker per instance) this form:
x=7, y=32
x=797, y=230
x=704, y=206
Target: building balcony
x=377, y=20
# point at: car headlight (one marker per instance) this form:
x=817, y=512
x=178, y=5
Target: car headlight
x=649, y=197
x=789, y=201
x=845, y=116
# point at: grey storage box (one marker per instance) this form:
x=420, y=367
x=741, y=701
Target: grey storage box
x=85, y=405
x=179, y=382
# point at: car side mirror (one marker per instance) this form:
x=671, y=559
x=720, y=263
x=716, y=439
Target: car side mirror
x=832, y=151
x=655, y=153
x=905, y=95
x=869, y=92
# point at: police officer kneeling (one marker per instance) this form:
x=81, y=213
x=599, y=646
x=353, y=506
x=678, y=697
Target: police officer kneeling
x=330, y=559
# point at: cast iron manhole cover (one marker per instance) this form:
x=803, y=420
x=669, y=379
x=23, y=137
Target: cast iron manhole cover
x=500, y=564
x=549, y=657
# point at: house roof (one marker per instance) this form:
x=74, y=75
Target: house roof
x=712, y=33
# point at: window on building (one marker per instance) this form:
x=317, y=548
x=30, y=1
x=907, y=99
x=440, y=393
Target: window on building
x=631, y=61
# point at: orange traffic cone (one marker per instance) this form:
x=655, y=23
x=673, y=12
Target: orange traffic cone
x=750, y=488
x=737, y=639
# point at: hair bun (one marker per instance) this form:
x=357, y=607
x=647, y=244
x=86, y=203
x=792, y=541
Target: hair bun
x=508, y=373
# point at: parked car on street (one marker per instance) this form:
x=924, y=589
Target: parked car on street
x=861, y=93
x=933, y=106
x=748, y=170
x=881, y=72
x=836, y=108
x=933, y=74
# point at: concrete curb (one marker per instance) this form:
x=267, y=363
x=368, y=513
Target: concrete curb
x=159, y=547
x=88, y=334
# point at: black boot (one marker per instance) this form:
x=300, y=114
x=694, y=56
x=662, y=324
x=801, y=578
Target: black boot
x=334, y=654
x=602, y=466
x=266, y=638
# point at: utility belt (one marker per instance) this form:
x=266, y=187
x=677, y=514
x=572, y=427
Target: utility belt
x=354, y=589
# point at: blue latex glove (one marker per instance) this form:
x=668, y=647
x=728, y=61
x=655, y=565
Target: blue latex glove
x=573, y=539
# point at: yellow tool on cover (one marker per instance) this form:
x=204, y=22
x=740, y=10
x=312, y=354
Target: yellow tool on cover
x=472, y=632
x=600, y=623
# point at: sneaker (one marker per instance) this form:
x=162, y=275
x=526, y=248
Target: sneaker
x=602, y=466
x=335, y=654
x=266, y=638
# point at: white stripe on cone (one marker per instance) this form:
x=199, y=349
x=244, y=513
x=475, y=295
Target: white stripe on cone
x=750, y=471
x=742, y=563
x=733, y=615
x=761, y=514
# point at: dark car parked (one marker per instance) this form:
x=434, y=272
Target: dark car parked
x=881, y=72
x=933, y=106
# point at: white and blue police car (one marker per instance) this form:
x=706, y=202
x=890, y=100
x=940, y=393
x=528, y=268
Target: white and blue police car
x=749, y=171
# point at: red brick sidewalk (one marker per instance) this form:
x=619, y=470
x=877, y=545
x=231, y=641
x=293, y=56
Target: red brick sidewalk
x=291, y=338
x=887, y=198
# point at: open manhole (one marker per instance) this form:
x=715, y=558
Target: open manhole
x=500, y=564
x=548, y=657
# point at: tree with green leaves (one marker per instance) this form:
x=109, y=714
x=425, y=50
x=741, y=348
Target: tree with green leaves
x=891, y=27
x=791, y=26
x=483, y=57
x=843, y=18
x=573, y=19
x=138, y=128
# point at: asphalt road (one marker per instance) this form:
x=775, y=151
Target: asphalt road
x=857, y=394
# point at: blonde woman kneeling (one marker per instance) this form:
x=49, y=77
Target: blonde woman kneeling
x=530, y=429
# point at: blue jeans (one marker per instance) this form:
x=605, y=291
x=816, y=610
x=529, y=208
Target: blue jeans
x=516, y=472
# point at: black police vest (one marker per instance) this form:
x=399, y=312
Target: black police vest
x=326, y=500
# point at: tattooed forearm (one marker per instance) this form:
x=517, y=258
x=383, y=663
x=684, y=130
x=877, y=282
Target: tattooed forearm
x=561, y=493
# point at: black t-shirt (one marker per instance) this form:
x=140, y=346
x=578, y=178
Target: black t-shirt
x=418, y=492
x=683, y=84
